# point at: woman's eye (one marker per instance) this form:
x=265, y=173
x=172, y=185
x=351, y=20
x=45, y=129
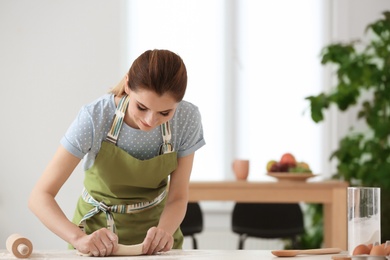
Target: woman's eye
x=164, y=113
x=141, y=108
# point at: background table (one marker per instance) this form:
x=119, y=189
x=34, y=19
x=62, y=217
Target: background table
x=332, y=194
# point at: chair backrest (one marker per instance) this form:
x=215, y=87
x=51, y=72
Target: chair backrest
x=268, y=220
x=193, y=220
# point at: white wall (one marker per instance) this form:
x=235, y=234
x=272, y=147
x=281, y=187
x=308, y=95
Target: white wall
x=58, y=55
x=54, y=56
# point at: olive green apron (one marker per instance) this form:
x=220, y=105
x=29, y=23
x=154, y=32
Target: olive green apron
x=125, y=194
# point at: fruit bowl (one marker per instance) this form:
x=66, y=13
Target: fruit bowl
x=289, y=176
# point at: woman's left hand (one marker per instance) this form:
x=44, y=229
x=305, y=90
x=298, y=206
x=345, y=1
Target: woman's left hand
x=157, y=240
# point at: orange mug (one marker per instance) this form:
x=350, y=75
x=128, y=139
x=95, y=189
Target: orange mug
x=241, y=169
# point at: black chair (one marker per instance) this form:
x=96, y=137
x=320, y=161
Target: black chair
x=193, y=222
x=267, y=220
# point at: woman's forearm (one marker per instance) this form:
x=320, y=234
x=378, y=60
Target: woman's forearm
x=173, y=215
x=176, y=205
x=45, y=207
x=42, y=199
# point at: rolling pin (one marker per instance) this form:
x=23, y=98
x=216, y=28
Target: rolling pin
x=19, y=246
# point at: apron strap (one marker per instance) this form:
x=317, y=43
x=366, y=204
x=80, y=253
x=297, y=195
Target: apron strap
x=113, y=134
x=122, y=209
x=120, y=111
x=166, y=146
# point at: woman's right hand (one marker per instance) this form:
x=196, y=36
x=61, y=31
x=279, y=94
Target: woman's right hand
x=102, y=242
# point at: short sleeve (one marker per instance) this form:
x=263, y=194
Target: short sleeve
x=190, y=121
x=78, y=139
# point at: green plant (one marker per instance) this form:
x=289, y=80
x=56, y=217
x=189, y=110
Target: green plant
x=363, y=81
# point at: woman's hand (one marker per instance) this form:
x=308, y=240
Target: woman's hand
x=157, y=240
x=160, y=238
x=102, y=242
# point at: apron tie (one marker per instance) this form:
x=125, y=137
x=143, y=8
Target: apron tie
x=108, y=210
x=103, y=207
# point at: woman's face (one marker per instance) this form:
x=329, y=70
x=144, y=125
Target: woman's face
x=148, y=110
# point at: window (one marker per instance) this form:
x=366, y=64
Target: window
x=250, y=65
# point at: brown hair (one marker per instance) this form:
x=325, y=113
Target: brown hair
x=161, y=71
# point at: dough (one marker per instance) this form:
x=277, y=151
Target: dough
x=123, y=250
x=129, y=250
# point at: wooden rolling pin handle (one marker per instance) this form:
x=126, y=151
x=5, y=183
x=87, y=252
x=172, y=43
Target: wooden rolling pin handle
x=19, y=246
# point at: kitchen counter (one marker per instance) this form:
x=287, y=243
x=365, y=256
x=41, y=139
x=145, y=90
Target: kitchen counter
x=171, y=255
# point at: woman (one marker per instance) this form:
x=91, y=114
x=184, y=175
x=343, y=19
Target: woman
x=135, y=142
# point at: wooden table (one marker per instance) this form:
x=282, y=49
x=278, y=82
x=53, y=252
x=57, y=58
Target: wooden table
x=332, y=194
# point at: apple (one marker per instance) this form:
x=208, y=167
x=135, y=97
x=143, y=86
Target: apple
x=288, y=160
x=269, y=165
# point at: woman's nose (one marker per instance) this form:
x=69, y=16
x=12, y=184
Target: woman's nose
x=151, y=119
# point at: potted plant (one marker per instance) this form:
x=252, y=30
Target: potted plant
x=363, y=82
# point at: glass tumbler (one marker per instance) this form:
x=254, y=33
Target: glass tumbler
x=364, y=216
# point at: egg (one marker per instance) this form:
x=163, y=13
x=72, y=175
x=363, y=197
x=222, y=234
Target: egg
x=361, y=249
x=378, y=250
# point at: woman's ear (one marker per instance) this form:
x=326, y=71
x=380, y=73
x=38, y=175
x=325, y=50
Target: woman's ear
x=126, y=82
